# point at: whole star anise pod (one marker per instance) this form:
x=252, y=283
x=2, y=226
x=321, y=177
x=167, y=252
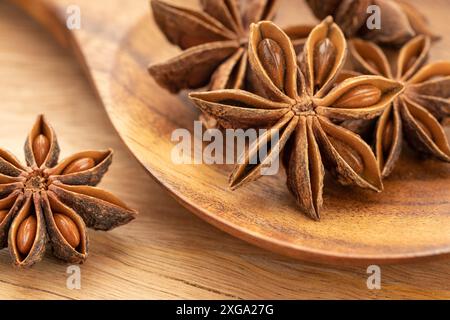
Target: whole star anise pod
x=49, y=203
x=214, y=42
x=298, y=101
x=418, y=110
x=400, y=21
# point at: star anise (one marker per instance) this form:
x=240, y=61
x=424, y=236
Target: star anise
x=400, y=21
x=214, y=42
x=417, y=111
x=298, y=101
x=49, y=203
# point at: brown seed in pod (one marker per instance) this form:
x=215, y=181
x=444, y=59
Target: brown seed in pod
x=351, y=157
x=358, y=97
x=26, y=235
x=273, y=60
x=79, y=165
x=84, y=168
x=324, y=59
x=68, y=229
x=41, y=146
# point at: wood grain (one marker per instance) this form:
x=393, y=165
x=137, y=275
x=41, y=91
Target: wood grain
x=167, y=252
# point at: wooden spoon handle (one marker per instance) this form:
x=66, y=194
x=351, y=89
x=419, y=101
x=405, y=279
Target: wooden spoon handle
x=51, y=14
x=104, y=24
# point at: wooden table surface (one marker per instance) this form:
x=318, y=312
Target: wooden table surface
x=167, y=253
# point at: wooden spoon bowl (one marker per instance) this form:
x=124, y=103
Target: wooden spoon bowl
x=409, y=221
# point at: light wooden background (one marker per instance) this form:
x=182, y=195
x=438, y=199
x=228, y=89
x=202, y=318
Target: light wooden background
x=167, y=253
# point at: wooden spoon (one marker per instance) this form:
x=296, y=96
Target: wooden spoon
x=116, y=42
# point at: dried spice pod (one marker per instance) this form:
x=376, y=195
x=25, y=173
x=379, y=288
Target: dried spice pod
x=430, y=88
x=324, y=33
x=250, y=170
x=9, y=165
x=249, y=110
x=84, y=168
x=9, y=206
x=28, y=235
x=412, y=56
x=304, y=167
x=41, y=146
x=362, y=97
x=66, y=229
x=400, y=20
x=368, y=58
x=389, y=138
x=224, y=25
x=418, y=21
x=10, y=184
x=351, y=15
x=273, y=61
x=195, y=67
x=423, y=131
x=418, y=110
x=32, y=215
x=347, y=156
x=395, y=28
x=214, y=41
x=99, y=209
x=297, y=109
